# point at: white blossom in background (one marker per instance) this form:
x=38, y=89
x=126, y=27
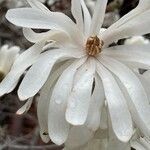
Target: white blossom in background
x=7, y=58
x=76, y=70
x=137, y=40
x=51, y=2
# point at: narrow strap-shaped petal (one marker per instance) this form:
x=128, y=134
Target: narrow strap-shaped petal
x=58, y=37
x=78, y=137
x=36, y=19
x=34, y=37
x=138, y=55
x=114, y=143
x=44, y=100
x=38, y=5
x=139, y=103
x=57, y=125
x=142, y=6
x=96, y=104
x=87, y=18
x=132, y=27
x=25, y=107
x=77, y=13
x=25, y=60
x=98, y=17
x=39, y=72
x=80, y=96
x=121, y=122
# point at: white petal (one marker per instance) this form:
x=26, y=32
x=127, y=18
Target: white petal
x=145, y=82
x=39, y=72
x=33, y=18
x=121, y=122
x=25, y=107
x=57, y=124
x=138, y=55
x=25, y=60
x=80, y=96
x=98, y=16
x=139, y=103
x=132, y=27
x=104, y=118
x=78, y=136
x=115, y=144
x=96, y=104
x=44, y=99
x=52, y=35
x=143, y=5
x=77, y=13
x=87, y=18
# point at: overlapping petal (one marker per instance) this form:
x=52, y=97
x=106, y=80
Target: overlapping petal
x=44, y=100
x=129, y=25
x=80, y=96
x=98, y=17
x=57, y=125
x=24, y=61
x=140, y=110
x=121, y=122
x=40, y=71
x=36, y=19
x=135, y=55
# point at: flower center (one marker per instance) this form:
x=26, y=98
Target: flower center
x=94, y=45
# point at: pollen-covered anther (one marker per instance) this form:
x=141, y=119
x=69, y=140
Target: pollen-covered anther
x=94, y=45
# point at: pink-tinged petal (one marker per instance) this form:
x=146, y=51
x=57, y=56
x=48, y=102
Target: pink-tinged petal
x=98, y=17
x=58, y=127
x=121, y=122
x=39, y=72
x=80, y=96
x=25, y=60
x=136, y=96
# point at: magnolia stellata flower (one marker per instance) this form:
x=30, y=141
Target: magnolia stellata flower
x=7, y=58
x=81, y=70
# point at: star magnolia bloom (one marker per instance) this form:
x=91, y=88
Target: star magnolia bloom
x=7, y=58
x=86, y=72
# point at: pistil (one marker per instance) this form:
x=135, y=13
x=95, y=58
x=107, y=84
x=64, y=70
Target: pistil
x=94, y=45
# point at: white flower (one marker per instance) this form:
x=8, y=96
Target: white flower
x=7, y=58
x=86, y=72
